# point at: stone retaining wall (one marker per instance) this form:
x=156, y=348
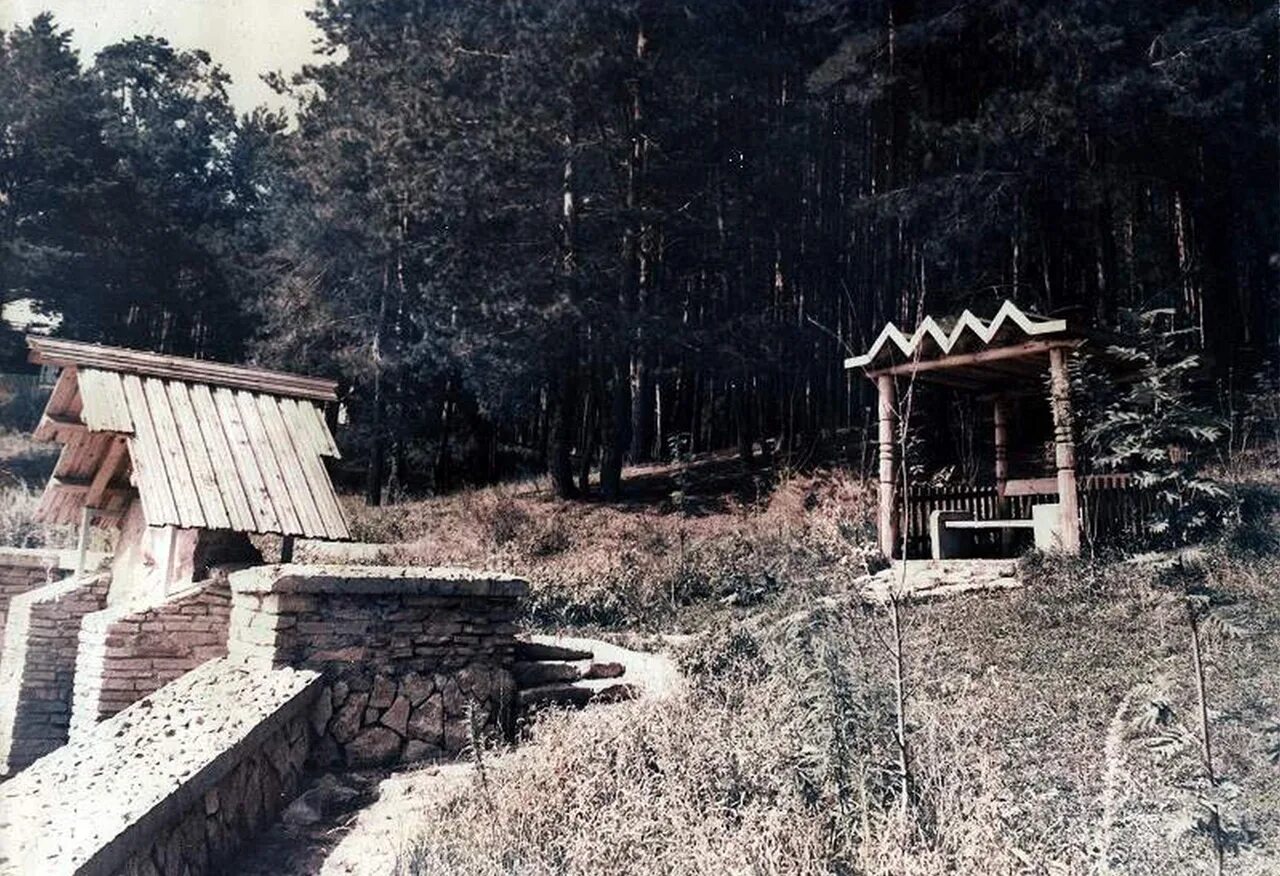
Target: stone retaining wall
x=171, y=786
x=37, y=666
x=127, y=651
x=413, y=658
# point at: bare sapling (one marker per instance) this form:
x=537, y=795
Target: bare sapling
x=1203, y=611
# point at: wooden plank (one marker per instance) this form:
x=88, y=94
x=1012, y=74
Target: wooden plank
x=105, y=408
x=106, y=471
x=272, y=477
x=207, y=490
x=291, y=466
x=335, y=524
x=321, y=436
x=246, y=463
x=148, y=464
x=183, y=485
x=55, y=351
x=55, y=408
x=234, y=497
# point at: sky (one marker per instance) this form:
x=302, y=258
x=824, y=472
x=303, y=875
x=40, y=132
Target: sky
x=246, y=37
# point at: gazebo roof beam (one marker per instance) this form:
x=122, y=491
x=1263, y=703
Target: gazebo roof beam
x=961, y=360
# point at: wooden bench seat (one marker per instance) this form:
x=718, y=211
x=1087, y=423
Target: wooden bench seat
x=1028, y=523
x=951, y=531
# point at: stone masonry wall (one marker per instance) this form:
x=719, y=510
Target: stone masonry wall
x=24, y=569
x=412, y=658
x=172, y=786
x=127, y=651
x=37, y=666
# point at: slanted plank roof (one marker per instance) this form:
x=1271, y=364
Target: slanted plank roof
x=204, y=444
x=969, y=352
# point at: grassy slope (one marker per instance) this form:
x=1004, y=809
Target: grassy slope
x=1025, y=707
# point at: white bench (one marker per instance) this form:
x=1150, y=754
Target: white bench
x=951, y=531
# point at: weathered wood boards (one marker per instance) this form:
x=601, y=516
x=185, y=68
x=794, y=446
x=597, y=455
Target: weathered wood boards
x=215, y=454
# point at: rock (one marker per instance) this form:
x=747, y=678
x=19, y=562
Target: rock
x=339, y=693
x=416, y=687
x=455, y=703
x=427, y=721
x=300, y=812
x=457, y=736
x=373, y=747
x=415, y=750
x=397, y=717
x=384, y=691
x=474, y=680
x=539, y=651
x=322, y=712
x=605, y=670
x=344, y=725
x=327, y=797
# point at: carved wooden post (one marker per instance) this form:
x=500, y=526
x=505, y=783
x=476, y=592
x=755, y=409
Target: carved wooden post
x=1064, y=449
x=1002, y=446
x=888, y=519
x=1002, y=469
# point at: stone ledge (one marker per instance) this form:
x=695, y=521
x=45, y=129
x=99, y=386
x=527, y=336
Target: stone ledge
x=87, y=807
x=444, y=581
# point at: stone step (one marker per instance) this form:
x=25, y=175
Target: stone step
x=604, y=670
x=539, y=672
x=554, y=695
x=535, y=673
x=561, y=694
x=530, y=651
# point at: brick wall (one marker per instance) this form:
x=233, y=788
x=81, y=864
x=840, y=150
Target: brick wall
x=37, y=666
x=411, y=657
x=23, y=569
x=126, y=651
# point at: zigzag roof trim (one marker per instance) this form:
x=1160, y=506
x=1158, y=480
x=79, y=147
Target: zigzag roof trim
x=966, y=324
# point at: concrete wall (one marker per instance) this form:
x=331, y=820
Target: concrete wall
x=412, y=657
x=172, y=786
x=129, y=651
x=37, y=666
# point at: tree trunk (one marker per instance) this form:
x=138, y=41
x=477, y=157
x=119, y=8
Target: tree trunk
x=560, y=438
x=377, y=449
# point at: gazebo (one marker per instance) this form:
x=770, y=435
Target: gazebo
x=173, y=451
x=1009, y=357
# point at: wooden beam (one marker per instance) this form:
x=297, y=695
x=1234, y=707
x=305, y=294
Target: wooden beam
x=1064, y=449
x=82, y=485
x=887, y=526
x=959, y=360
x=106, y=471
x=54, y=351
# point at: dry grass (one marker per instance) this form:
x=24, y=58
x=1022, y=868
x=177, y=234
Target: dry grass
x=778, y=759
x=24, y=466
x=636, y=567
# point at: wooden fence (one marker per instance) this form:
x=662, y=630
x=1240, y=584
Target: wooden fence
x=1113, y=509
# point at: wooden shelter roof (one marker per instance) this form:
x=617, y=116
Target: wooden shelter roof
x=970, y=352
x=204, y=444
